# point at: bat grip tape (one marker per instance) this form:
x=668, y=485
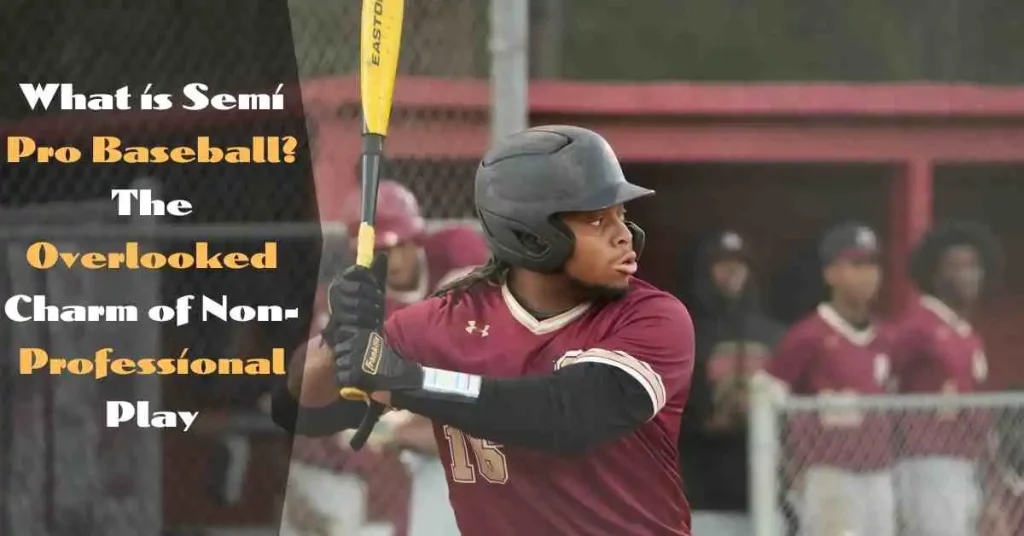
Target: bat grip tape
x=373, y=144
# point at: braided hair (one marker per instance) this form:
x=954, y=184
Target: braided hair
x=493, y=272
x=925, y=258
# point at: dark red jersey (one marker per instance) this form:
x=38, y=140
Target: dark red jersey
x=936, y=351
x=445, y=255
x=627, y=486
x=825, y=356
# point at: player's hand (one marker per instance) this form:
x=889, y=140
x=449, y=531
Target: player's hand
x=356, y=299
x=730, y=406
x=413, y=432
x=362, y=359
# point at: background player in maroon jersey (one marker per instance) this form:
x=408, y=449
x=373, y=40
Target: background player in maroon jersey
x=843, y=454
x=420, y=261
x=555, y=379
x=937, y=351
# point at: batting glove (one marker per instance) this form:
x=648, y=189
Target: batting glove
x=361, y=357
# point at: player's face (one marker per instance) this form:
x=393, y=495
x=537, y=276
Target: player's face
x=403, y=266
x=856, y=280
x=730, y=276
x=603, y=260
x=960, y=273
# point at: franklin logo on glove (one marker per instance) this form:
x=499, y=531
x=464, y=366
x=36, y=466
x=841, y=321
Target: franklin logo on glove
x=371, y=358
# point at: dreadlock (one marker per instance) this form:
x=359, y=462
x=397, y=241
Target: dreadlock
x=925, y=257
x=493, y=271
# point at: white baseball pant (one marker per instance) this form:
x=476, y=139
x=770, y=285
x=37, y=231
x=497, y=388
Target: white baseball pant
x=938, y=496
x=840, y=502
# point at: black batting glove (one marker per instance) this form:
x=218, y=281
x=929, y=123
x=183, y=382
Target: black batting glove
x=361, y=357
x=356, y=300
x=363, y=360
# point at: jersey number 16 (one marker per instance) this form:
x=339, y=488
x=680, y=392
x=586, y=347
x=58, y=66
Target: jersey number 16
x=489, y=462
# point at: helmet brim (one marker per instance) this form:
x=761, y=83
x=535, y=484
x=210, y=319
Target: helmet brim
x=614, y=194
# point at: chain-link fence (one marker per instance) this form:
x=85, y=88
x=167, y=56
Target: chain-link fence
x=62, y=470
x=443, y=39
x=743, y=40
x=229, y=474
x=446, y=38
x=333, y=489
x=838, y=465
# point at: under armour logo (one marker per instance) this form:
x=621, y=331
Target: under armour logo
x=471, y=328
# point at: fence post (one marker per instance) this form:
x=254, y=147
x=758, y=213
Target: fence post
x=148, y=336
x=764, y=456
x=510, y=76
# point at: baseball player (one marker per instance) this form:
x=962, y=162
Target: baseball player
x=420, y=262
x=937, y=351
x=837, y=353
x=555, y=379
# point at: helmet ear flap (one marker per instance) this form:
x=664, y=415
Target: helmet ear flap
x=639, y=238
x=540, y=247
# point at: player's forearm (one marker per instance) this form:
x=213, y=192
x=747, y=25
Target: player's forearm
x=311, y=374
x=321, y=421
x=310, y=404
x=567, y=412
x=417, y=435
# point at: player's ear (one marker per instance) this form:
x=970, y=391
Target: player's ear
x=828, y=274
x=379, y=268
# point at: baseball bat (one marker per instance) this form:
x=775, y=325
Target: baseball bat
x=380, y=37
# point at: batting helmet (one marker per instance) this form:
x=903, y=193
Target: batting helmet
x=398, y=216
x=528, y=178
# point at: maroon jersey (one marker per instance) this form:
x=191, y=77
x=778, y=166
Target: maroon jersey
x=825, y=356
x=444, y=256
x=627, y=486
x=935, y=351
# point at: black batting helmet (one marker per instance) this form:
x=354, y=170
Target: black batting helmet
x=528, y=178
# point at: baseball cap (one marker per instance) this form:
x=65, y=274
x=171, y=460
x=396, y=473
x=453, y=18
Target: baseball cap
x=849, y=241
x=729, y=245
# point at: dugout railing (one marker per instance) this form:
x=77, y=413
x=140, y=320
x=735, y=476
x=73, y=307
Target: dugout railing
x=782, y=425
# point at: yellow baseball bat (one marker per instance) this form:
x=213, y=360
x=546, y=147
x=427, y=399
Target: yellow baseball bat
x=380, y=38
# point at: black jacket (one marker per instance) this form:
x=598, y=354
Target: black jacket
x=733, y=337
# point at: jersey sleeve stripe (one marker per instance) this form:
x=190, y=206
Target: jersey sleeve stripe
x=642, y=372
